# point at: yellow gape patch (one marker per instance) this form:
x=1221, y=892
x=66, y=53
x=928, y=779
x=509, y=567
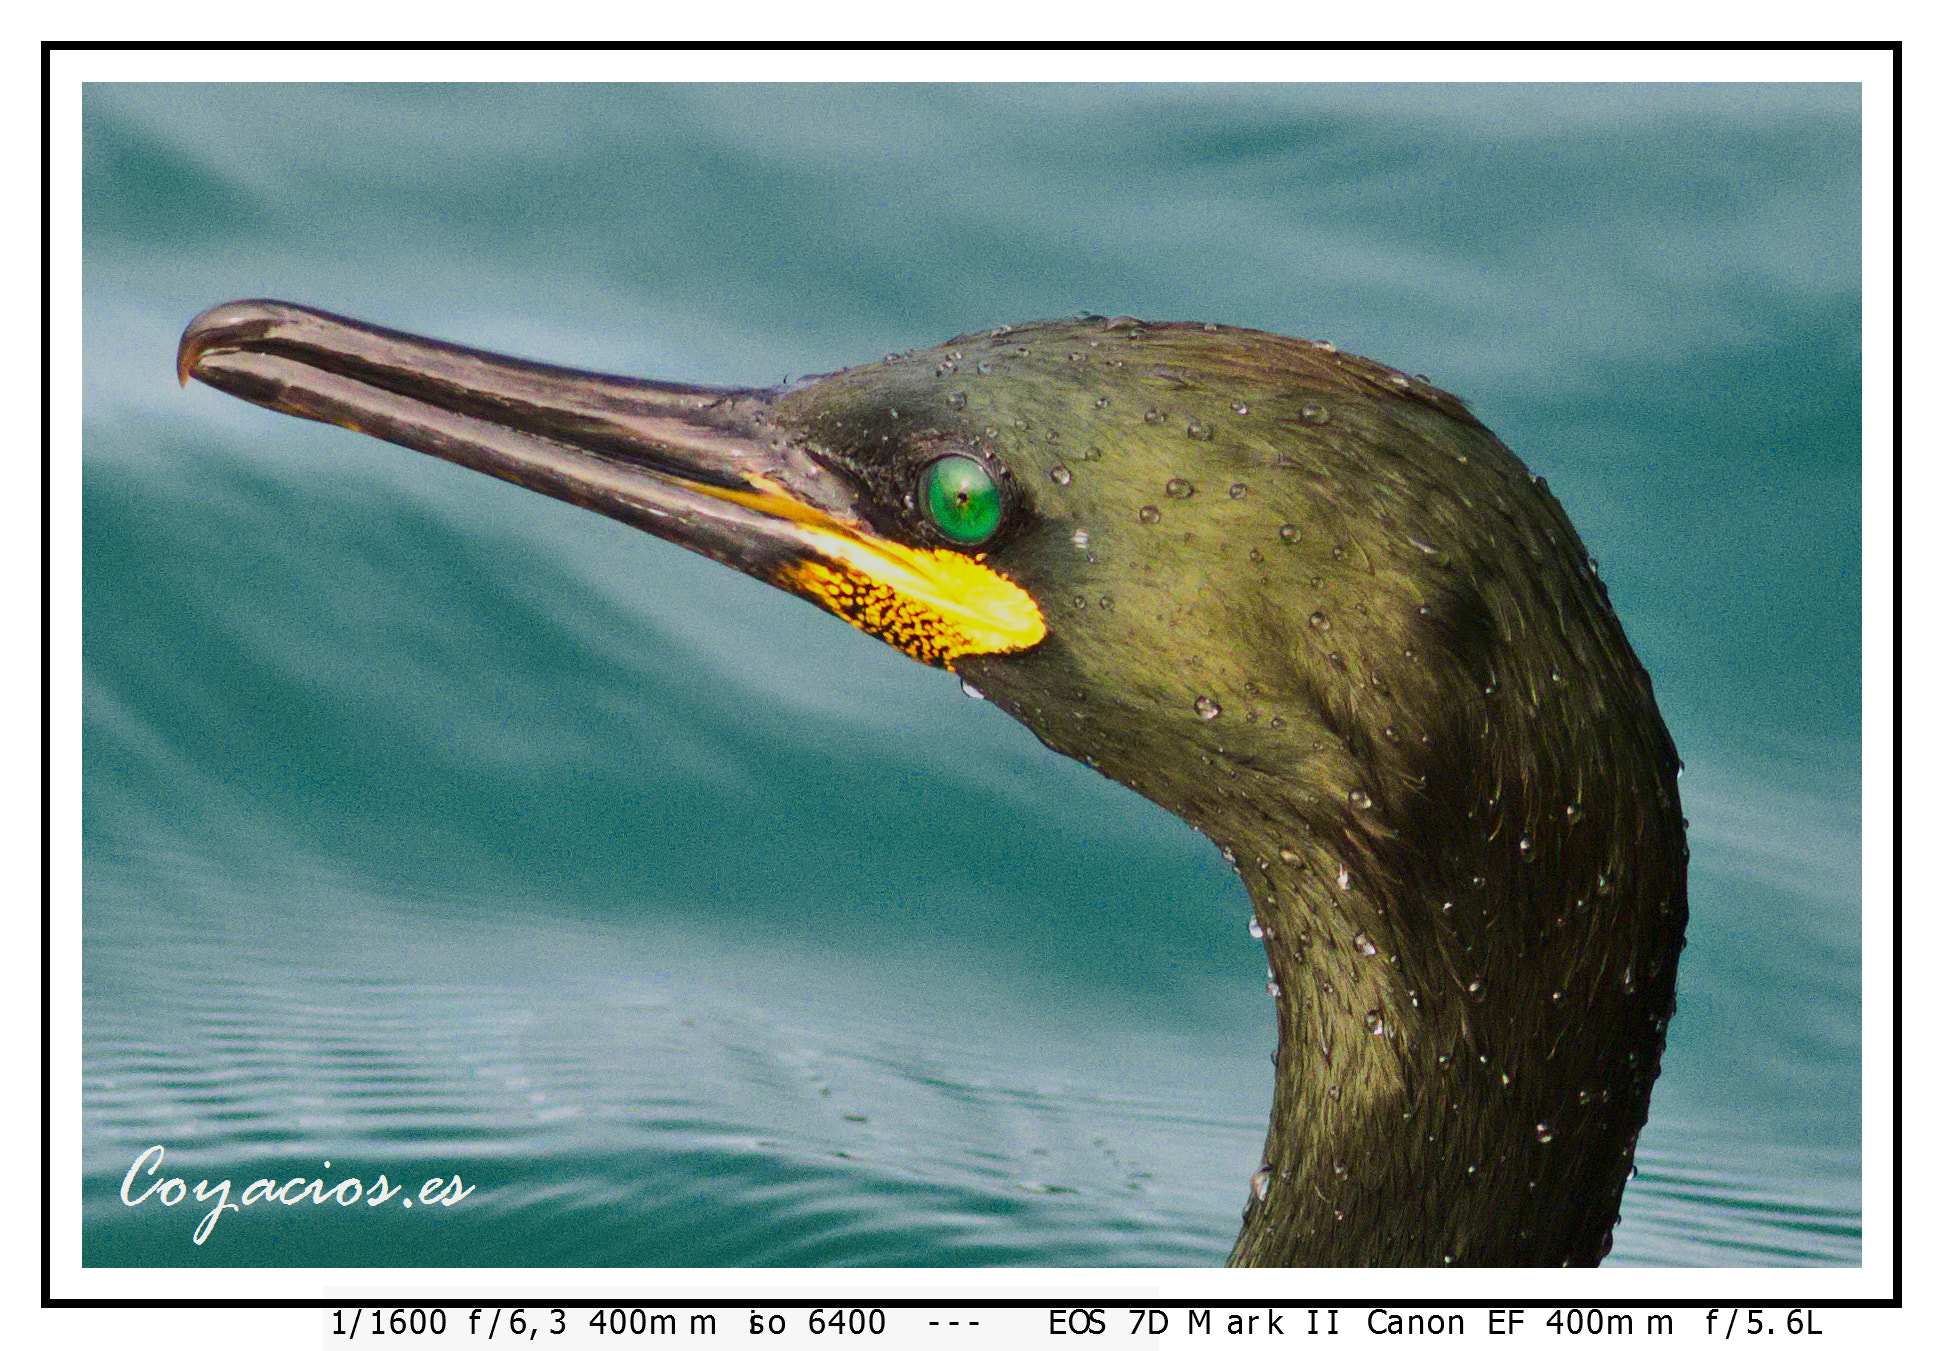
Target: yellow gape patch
x=933, y=605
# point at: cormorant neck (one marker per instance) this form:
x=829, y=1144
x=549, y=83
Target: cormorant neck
x=1463, y=1061
x=1471, y=934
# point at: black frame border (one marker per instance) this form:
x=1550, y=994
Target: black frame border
x=1896, y=50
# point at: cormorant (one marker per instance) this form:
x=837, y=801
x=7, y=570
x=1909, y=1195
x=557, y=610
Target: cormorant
x=1305, y=602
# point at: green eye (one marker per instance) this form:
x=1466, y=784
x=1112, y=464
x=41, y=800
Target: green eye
x=962, y=499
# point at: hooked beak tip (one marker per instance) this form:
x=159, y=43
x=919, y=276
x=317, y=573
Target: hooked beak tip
x=229, y=325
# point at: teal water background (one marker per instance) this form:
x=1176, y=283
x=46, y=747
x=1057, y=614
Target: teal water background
x=431, y=826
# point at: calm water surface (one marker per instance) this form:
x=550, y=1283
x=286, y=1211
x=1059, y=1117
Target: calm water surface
x=432, y=826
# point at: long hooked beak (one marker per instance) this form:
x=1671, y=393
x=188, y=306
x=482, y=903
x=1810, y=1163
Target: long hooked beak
x=706, y=468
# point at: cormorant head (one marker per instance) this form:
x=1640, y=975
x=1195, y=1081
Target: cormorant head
x=1215, y=564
